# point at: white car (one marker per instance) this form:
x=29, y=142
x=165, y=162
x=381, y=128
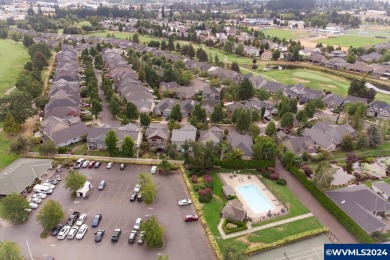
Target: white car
x=153, y=170
x=35, y=200
x=63, y=232
x=109, y=165
x=138, y=223
x=185, y=202
x=33, y=205
x=81, y=219
x=137, y=188
x=85, y=164
x=39, y=195
x=72, y=232
x=82, y=230
x=51, y=186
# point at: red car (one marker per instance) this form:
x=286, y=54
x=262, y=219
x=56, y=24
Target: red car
x=189, y=218
x=91, y=164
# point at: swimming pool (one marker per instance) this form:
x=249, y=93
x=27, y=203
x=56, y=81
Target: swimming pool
x=256, y=200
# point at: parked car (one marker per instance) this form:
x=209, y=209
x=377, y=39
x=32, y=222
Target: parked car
x=52, y=181
x=35, y=200
x=73, y=218
x=81, y=219
x=72, y=232
x=82, y=230
x=137, y=188
x=141, y=238
x=133, y=196
x=116, y=234
x=184, y=202
x=138, y=223
x=99, y=235
x=33, y=205
x=58, y=178
x=96, y=220
x=102, y=185
x=140, y=198
x=97, y=164
x=123, y=166
x=87, y=105
x=132, y=237
x=54, y=232
x=189, y=218
x=63, y=232
x=39, y=195
x=85, y=164
x=51, y=186
x=78, y=163
x=91, y=164
x=153, y=170
x=109, y=165
x=28, y=210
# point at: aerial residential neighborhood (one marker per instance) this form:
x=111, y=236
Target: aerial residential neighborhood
x=193, y=129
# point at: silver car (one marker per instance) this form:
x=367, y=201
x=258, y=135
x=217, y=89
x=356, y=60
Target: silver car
x=63, y=232
x=72, y=232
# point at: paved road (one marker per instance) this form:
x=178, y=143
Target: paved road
x=326, y=219
x=105, y=116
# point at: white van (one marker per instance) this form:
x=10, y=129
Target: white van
x=42, y=189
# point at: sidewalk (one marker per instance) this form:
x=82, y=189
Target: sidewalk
x=250, y=229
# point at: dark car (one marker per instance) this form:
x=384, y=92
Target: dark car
x=102, y=185
x=54, y=232
x=140, y=197
x=96, y=220
x=132, y=237
x=189, y=218
x=115, y=235
x=123, y=166
x=97, y=164
x=133, y=196
x=73, y=218
x=99, y=235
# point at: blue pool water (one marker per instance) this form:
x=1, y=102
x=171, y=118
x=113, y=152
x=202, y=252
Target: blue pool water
x=256, y=200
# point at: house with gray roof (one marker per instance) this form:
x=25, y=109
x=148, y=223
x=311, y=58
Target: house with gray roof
x=297, y=144
x=209, y=106
x=359, y=67
x=185, y=92
x=379, y=109
x=258, y=81
x=273, y=87
x=363, y=205
x=302, y=93
x=187, y=106
x=234, y=210
x=164, y=107
x=242, y=142
x=157, y=136
x=333, y=101
x=258, y=105
x=213, y=134
x=353, y=99
x=327, y=135
x=185, y=134
x=211, y=93
x=382, y=188
x=22, y=173
x=169, y=86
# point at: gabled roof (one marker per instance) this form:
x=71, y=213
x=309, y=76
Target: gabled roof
x=159, y=133
x=382, y=186
x=166, y=104
x=73, y=131
x=188, y=105
x=234, y=210
x=187, y=132
x=243, y=142
x=333, y=100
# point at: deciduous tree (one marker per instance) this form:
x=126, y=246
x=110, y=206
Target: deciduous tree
x=74, y=181
x=131, y=111
x=48, y=148
x=374, y=135
x=10, y=250
x=176, y=113
x=14, y=208
x=270, y=130
x=154, y=233
x=50, y=215
x=145, y=119
x=110, y=141
x=127, y=147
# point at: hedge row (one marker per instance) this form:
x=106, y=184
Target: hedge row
x=198, y=208
x=240, y=226
x=333, y=209
x=244, y=164
x=285, y=241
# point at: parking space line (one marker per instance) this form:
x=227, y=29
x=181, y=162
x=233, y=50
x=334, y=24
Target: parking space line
x=99, y=196
x=124, y=193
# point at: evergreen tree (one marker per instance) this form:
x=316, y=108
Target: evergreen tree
x=127, y=147
x=131, y=111
x=110, y=141
x=10, y=125
x=216, y=60
x=145, y=119
x=135, y=38
x=171, y=45
x=271, y=129
x=201, y=55
x=191, y=51
x=234, y=67
x=244, y=121
x=163, y=46
x=246, y=90
x=176, y=113
x=287, y=121
x=178, y=47
x=217, y=114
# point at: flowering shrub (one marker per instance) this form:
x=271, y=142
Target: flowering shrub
x=194, y=179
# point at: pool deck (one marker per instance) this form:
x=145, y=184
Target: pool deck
x=242, y=179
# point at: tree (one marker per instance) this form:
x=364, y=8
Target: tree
x=154, y=233
x=233, y=253
x=39, y=61
x=216, y=60
x=10, y=125
x=358, y=88
x=287, y=121
x=110, y=141
x=114, y=107
x=28, y=40
x=323, y=176
x=131, y=111
x=239, y=49
x=263, y=94
x=164, y=166
x=254, y=130
x=217, y=114
x=347, y=143
x=234, y=67
x=228, y=46
x=149, y=191
x=178, y=47
x=40, y=46
x=245, y=90
x=191, y=51
x=176, y=113
x=127, y=147
x=244, y=121
x=264, y=149
x=74, y=181
x=170, y=75
x=96, y=107
x=144, y=178
x=199, y=112
x=27, y=82
x=301, y=116
x=185, y=78
x=135, y=38
x=48, y=148
x=160, y=256
x=276, y=54
x=351, y=58
x=10, y=250
x=50, y=215
x=288, y=159
x=201, y=55
x=145, y=119
x=270, y=130
x=14, y=208
x=21, y=145
x=171, y=45
x=374, y=136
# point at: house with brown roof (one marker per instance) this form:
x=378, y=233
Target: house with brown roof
x=234, y=210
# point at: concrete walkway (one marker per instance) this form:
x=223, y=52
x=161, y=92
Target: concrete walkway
x=323, y=216
x=250, y=229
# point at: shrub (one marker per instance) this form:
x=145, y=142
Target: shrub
x=199, y=186
x=239, y=226
x=67, y=163
x=274, y=176
x=266, y=174
x=62, y=150
x=194, y=179
x=231, y=197
x=244, y=164
x=44, y=234
x=282, y=182
x=307, y=170
x=231, y=226
x=205, y=198
x=205, y=191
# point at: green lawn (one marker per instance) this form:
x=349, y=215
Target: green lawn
x=372, y=151
x=284, y=33
x=316, y=80
x=6, y=158
x=13, y=56
x=352, y=40
x=369, y=183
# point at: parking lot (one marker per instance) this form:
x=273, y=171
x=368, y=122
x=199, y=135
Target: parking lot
x=182, y=240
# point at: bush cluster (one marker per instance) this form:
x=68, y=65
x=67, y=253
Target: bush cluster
x=244, y=164
x=240, y=226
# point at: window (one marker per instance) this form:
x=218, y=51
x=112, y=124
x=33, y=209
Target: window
x=153, y=140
